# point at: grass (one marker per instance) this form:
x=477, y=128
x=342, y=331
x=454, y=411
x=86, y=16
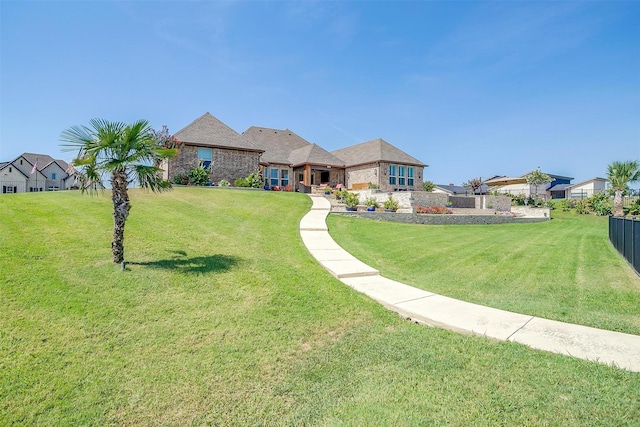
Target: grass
x=223, y=318
x=564, y=269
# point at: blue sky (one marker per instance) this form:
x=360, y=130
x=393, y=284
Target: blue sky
x=473, y=89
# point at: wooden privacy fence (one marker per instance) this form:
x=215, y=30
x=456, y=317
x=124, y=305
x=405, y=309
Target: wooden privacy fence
x=624, y=235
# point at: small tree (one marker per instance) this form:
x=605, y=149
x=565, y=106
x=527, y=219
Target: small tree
x=428, y=186
x=620, y=174
x=125, y=152
x=473, y=184
x=536, y=178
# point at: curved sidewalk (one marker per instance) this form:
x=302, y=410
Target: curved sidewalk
x=622, y=350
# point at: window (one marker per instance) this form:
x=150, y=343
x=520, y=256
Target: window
x=392, y=174
x=53, y=176
x=284, y=177
x=205, y=157
x=410, y=176
x=273, y=177
x=401, y=180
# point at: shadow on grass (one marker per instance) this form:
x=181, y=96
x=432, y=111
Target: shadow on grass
x=201, y=264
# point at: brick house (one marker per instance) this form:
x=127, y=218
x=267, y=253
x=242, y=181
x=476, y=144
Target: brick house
x=380, y=163
x=214, y=145
x=289, y=159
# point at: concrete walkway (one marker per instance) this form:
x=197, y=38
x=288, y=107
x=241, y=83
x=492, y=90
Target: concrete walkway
x=622, y=350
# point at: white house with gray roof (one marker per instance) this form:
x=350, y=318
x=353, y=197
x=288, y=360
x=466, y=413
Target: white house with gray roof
x=31, y=172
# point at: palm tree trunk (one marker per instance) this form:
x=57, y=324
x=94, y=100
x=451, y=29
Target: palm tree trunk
x=617, y=204
x=121, y=207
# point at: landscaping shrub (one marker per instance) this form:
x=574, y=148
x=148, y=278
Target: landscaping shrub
x=181, y=179
x=438, y=210
x=601, y=204
x=254, y=180
x=199, y=176
x=351, y=200
x=240, y=182
x=565, y=205
x=582, y=207
x=224, y=183
x=391, y=204
x=633, y=209
x=516, y=199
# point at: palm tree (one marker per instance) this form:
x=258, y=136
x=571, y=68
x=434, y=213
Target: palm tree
x=620, y=174
x=128, y=153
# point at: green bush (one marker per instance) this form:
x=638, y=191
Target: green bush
x=391, y=204
x=582, y=207
x=633, y=209
x=224, y=183
x=372, y=202
x=181, y=179
x=254, y=180
x=351, y=200
x=428, y=186
x=565, y=205
x=241, y=182
x=601, y=204
x=199, y=176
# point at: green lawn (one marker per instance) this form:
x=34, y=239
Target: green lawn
x=564, y=269
x=223, y=318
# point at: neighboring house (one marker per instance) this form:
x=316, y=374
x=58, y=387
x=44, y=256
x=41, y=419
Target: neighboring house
x=586, y=188
x=380, y=163
x=210, y=143
x=519, y=185
x=32, y=172
x=289, y=159
x=451, y=190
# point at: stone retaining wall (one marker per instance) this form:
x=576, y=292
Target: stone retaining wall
x=412, y=218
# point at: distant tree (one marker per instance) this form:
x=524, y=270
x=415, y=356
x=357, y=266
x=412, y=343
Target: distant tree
x=428, y=186
x=165, y=139
x=620, y=174
x=473, y=184
x=126, y=153
x=536, y=178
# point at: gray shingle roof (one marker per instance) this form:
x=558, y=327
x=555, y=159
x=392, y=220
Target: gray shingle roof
x=313, y=154
x=558, y=187
x=207, y=131
x=277, y=144
x=453, y=189
x=377, y=150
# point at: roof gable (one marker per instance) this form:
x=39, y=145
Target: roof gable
x=314, y=154
x=587, y=181
x=377, y=150
x=452, y=189
x=5, y=165
x=277, y=144
x=208, y=131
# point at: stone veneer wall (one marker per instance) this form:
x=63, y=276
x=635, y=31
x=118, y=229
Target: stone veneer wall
x=227, y=164
x=423, y=198
x=412, y=218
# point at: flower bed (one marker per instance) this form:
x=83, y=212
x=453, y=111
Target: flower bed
x=433, y=210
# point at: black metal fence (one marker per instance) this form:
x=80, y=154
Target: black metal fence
x=624, y=234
